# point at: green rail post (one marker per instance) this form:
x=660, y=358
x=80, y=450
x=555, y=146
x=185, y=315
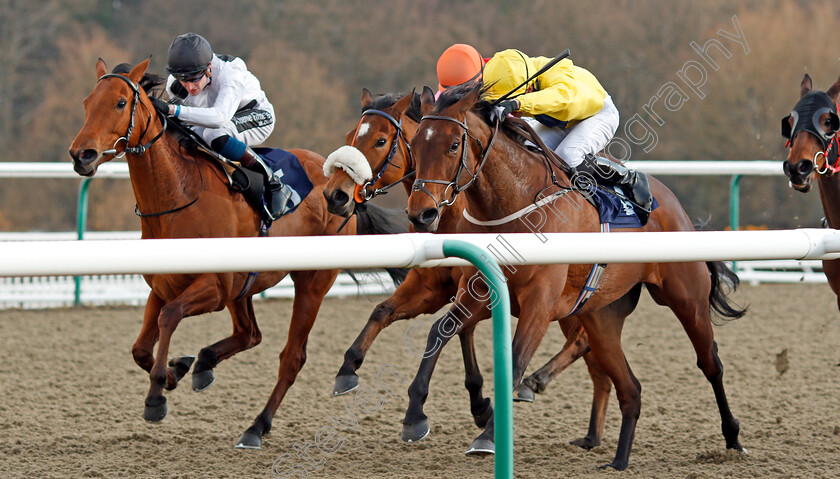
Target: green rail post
x=81, y=225
x=502, y=356
x=735, y=208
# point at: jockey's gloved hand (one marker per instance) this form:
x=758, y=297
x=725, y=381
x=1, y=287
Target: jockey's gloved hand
x=160, y=105
x=501, y=111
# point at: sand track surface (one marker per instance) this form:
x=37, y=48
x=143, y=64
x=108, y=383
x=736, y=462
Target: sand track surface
x=71, y=399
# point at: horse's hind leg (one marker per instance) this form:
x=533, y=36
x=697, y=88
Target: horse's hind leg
x=310, y=289
x=245, y=335
x=690, y=302
x=200, y=297
x=604, y=331
x=575, y=347
x=422, y=292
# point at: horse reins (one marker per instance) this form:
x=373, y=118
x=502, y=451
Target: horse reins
x=141, y=148
x=420, y=184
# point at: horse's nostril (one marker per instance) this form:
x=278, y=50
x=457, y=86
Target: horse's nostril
x=428, y=216
x=805, y=167
x=339, y=198
x=89, y=155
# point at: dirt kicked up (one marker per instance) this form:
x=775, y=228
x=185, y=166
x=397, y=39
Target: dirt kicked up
x=71, y=399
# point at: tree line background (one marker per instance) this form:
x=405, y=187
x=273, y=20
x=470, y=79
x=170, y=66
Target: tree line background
x=314, y=58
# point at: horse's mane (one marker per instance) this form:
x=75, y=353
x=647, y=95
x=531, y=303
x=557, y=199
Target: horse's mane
x=482, y=108
x=150, y=81
x=390, y=99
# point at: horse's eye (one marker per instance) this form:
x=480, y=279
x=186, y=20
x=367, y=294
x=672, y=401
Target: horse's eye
x=380, y=142
x=121, y=104
x=454, y=147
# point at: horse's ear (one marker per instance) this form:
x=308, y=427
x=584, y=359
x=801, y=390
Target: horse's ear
x=469, y=99
x=366, y=97
x=101, y=68
x=834, y=90
x=137, y=72
x=427, y=100
x=806, y=85
x=404, y=103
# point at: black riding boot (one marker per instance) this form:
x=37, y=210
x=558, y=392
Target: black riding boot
x=609, y=173
x=279, y=193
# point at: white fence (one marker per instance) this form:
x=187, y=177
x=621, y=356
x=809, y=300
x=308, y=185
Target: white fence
x=36, y=292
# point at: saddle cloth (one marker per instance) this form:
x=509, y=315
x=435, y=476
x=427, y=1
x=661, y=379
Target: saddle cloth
x=614, y=209
x=287, y=168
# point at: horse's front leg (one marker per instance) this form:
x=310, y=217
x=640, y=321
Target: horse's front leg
x=200, y=297
x=245, y=335
x=530, y=329
x=310, y=289
x=463, y=315
x=144, y=345
x=424, y=291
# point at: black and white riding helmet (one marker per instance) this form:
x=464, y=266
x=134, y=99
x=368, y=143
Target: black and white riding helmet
x=189, y=55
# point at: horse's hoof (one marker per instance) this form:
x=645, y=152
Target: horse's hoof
x=181, y=366
x=155, y=413
x=345, y=383
x=585, y=443
x=614, y=465
x=202, y=380
x=523, y=394
x=481, y=447
x=415, y=432
x=481, y=419
x=249, y=440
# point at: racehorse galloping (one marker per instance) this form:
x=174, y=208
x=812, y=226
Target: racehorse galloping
x=457, y=150
x=180, y=195
x=379, y=157
x=816, y=155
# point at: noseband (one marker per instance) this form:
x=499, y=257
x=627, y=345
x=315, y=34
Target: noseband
x=452, y=186
x=365, y=192
x=139, y=149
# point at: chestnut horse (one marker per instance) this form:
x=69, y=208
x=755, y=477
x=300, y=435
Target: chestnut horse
x=179, y=194
x=457, y=151
x=816, y=156
x=381, y=140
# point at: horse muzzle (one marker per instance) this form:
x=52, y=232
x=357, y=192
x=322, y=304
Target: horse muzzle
x=339, y=202
x=427, y=221
x=85, y=161
x=799, y=174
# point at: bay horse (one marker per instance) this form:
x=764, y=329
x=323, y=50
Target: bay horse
x=180, y=194
x=457, y=151
x=815, y=155
x=380, y=140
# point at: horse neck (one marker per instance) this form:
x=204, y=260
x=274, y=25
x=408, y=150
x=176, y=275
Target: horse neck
x=161, y=178
x=507, y=182
x=829, y=186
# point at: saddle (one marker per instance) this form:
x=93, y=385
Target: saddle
x=250, y=183
x=611, y=201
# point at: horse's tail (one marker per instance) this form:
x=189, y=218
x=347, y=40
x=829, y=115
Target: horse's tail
x=724, y=281
x=375, y=220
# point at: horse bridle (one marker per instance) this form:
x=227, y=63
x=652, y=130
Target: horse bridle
x=420, y=184
x=141, y=148
x=810, y=109
x=364, y=192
